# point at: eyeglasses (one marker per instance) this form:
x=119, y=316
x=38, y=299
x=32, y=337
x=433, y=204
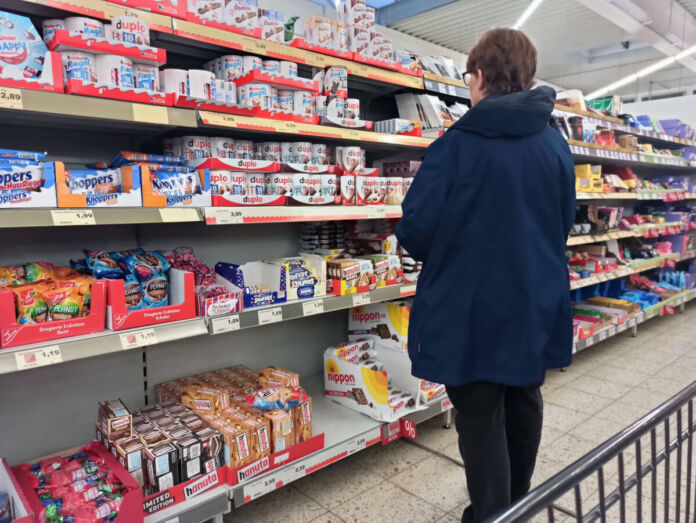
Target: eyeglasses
x=467, y=78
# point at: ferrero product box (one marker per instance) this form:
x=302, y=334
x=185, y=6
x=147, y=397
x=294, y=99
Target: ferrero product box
x=385, y=323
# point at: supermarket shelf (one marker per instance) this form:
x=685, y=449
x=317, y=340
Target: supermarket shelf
x=615, y=155
x=635, y=268
x=449, y=89
x=606, y=196
x=617, y=125
x=97, y=344
x=299, y=309
x=16, y=218
x=202, y=507
x=67, y=108
x=595, y=238
x=643, y=195
x=345, y=433
x=444, y=80
x=236, y=215
x=213, y=120
x=675, y=301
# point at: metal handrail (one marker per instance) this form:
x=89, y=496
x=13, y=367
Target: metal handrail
x=569, y=478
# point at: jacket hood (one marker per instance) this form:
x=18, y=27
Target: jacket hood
x=516, y=114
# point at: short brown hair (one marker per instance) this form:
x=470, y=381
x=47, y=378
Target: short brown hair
x=507, y=58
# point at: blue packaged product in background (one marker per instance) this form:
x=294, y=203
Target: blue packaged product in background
x=22, y=51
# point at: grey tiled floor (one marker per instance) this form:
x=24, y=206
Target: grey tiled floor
x=607, y=387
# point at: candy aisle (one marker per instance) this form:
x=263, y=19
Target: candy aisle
x=172, y=179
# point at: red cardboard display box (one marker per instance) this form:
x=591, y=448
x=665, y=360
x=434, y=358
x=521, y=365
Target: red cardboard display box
x=51, y=76
x=131, y=507
x=129, y=95
x=182, y=298
x=63, y=40
x=20, y=502
x=279, y=459
x=176, y=8
x=13, y=334
x=183, y=491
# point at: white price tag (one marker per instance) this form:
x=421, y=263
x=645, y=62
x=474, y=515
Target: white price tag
x=376, y=212
x=361, y=299
x=225, y=324
x=408, y=289
x=73, y=217
x=442, y=88
x=173, y=520
x=223, y=216
x=28, y=359
x=11, y=98
x=452, y=90
x=602, y=335
x=141, y=338
x=313, y=307
x=179, y=215
x=611, y=331
x=273, y=315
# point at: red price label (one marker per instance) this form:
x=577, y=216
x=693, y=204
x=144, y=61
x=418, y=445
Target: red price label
x=669, y=263
x=667, y=310
x=408, y=428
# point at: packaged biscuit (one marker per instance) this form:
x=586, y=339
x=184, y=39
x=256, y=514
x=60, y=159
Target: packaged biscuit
x=13, y=154
x=273, y=376
x=133, y=292
x=63, y=303
x=208, y=401
x=302, y=420
x=166, y=183
x=272, y=398
x=64, y=273
x=93, y=181
x=282, y=434
x=260, y=429
x=31, y=306
x=83, y=286
x=238, y=438
x=115, y=419
x=103, y=264
x=154, y=290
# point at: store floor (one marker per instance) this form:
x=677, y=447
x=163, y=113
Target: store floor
x=607, y=387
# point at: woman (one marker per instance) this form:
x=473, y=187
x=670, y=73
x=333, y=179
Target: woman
x=489, y=213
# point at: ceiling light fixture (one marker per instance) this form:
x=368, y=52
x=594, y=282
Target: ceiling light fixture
x=643, y=72
x=527, y=13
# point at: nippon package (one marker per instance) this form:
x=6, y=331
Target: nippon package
x=115, y=187
x=25, y=181
x=262, y=283
x=306, y=275
x=385, y=323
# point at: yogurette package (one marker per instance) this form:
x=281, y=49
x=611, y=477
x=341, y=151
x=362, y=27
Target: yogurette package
x=262, y=283
x=306, y=275
x=22, y=51
x=25, y=181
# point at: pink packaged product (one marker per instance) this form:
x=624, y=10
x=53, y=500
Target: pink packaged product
x=406, y=169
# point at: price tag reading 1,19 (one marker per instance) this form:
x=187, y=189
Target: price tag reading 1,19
x=273, y=315
x=73, y=217
x=28, y=359
x=141, y=338
x=312, y=307
x=225, y=324
x=361, y=299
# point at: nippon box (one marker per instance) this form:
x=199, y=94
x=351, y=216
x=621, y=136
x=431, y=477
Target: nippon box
x=385, y=323
x=29, y=186
x=119, y=187
x=13, y=334
x=182, y=304
x=191, y=189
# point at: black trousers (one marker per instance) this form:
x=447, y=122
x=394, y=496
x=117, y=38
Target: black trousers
x=499, y=431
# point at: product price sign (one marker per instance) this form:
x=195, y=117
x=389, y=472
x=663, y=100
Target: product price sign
x=601, y=336
x=141, y=338
x=408, y=428
x=225, y=324
x=73, y=217
x=376, y=212
x=273, y=315
x=311, y=308
x=442, y=88
x=361, y=299
x=11, y=98
x=223, y=216
x=179, y=215
x=29, y=359
x=452, y=90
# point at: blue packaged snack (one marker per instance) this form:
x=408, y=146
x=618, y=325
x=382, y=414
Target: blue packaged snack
x=155, y=290
x=102, y=264
x=133, y=292
x=143, y=263
x=127, y=157
x=120, y=256
x=173, y=184
x=14, y=154
x=21, y=178
x=93, y=181
x=10, y=162
x=79, y=265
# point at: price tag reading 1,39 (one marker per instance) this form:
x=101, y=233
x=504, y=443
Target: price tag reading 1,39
x=273, y=315
x=312, y=307
x=73, y=217
x=361, y=299
x=141, y=338
x=28, y=359
x=225, y=324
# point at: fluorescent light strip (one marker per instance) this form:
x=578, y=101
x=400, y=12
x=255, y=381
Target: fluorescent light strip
x=527, y=13
x=643, y=72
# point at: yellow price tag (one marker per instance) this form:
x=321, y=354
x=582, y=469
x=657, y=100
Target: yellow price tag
x=150, y=114
x=11, y=98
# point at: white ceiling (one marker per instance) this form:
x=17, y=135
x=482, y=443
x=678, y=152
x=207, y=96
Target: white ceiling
x=577, y=47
